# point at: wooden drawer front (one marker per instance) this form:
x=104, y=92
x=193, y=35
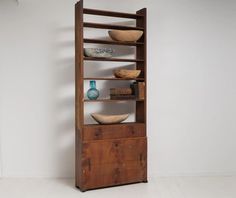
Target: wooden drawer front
x=114, y=151
x=114, y=174
x=97, y=132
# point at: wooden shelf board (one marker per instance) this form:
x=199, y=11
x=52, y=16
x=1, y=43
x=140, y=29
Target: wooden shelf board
x=111, y=13
x=109, y=100
x=109, y=26
x=97, y=41
x=113, y=59
x=113, y=78
x=119, y=124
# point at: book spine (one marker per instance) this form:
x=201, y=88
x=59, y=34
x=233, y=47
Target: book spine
x=121, y=91
x=141, y=90
x=134, y=88
x=122, y=97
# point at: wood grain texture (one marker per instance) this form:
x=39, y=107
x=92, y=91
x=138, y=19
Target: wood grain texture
x=141, y=53
x=114, y=162
x=79, y=107
x=108, y=100
x=109, y=42
x=112, y=59
x=109, y=26
x=111, y=13
x=114, y=151
x=119, y=79
x=109, y=155
x=113, y=174
x=98, y=132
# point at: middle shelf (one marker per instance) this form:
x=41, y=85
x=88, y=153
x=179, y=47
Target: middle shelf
x=109, y=100
x=109, y=42
x=112, y=59
x=109, y=26
x=97, y=78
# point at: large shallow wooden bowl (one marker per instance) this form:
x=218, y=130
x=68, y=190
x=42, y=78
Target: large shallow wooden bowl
x=109, y=119
x=125, y=35
x=126, y=73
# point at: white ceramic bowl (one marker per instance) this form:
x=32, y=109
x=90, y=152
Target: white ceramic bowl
x=98, y=52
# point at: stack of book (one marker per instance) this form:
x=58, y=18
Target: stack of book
x=121, y=94
x=136, y=91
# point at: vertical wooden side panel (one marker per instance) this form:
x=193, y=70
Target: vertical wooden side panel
x=79, y=89
x=141, y=53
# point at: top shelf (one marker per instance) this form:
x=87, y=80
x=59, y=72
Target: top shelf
x=109, y=26
x=111, y=13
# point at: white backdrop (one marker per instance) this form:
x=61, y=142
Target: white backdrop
x=191, y=89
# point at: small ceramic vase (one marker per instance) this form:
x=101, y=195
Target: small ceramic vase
x=92, y=93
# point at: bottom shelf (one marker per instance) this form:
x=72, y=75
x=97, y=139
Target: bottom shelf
x=109, y=100
x=118, y=124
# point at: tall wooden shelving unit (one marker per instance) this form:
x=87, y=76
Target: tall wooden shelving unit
x=109, y=155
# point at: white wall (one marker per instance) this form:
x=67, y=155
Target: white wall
x=191, y=126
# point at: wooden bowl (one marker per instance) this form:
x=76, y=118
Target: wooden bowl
x=109, y=119
x=125, y=35
x=126, y=73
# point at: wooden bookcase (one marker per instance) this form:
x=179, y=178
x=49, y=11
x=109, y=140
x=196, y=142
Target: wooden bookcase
x=109, y=155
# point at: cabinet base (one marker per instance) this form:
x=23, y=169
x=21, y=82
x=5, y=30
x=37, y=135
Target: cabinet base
x=84, y=190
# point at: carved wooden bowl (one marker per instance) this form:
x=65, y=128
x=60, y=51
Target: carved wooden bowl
x=126, y=73
x=125, y=35
x=109, y=119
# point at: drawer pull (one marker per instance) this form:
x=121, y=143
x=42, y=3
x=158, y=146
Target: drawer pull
x=87, y=163
x=140, y=158
x=116, y=144
x=131, y=130
x=98, y=133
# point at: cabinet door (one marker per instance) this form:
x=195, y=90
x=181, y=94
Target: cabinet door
x=114, y=162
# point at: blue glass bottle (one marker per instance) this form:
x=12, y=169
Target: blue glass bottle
x=92, y=93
